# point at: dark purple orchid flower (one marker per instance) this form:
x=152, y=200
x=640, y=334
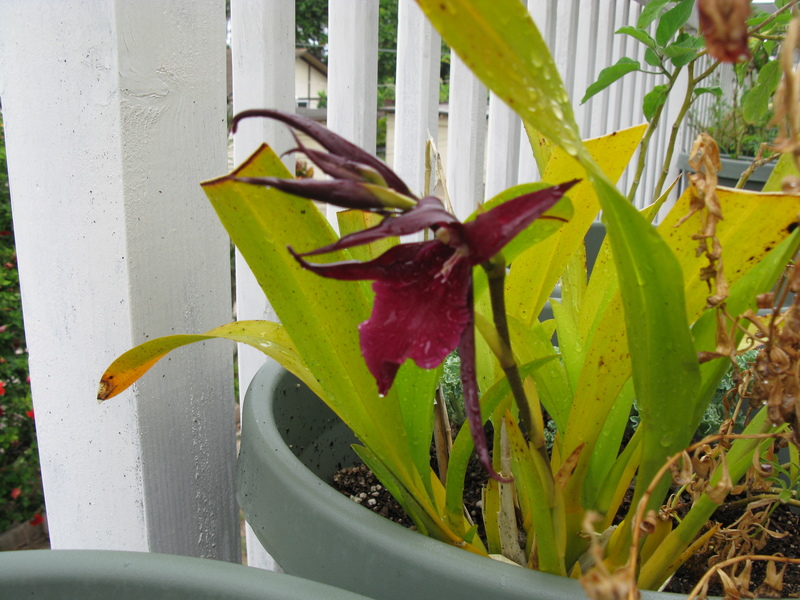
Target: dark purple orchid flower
x=423, y=291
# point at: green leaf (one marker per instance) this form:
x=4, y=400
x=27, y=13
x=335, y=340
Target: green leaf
x=716, y=91
x=611, y=74
x=531, y=344
x=463, y=445
x=651, y=12
x=638, y=34
x=785, y=167
x=756, y=105
x=607, y=448
x=543, y=500
x=672, y=20
x=665, y=369
x=653, y=100
x=535, y=272
x=651, y=58
x=684, y=51
x=570, y=342
x=758, y=18
x=416, y=390
x=753, y=224
x=351, y=221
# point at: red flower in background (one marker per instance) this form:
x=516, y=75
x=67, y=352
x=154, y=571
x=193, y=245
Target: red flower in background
x=36, y=520
x=2, y=387
x=29, y=413
x=16, y=493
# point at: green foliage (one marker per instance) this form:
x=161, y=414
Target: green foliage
x=717, y=412
x=671, y=48
x=311, y=26
x=756, y=105
x=734, y=135
x=20, y=484
x=311, y=31
x=633, y=321
x=611, y=74
x=387, y=41
x=450, y=383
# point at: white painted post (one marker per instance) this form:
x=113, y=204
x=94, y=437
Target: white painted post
x=417, y=97
x=543, y=13
x=620, y=49
x=602, y=102
x=353, y=73
x=629, y=104
x=502, y=147
x=566, y=42
x=466, y=138
x=262, y=47
x=114, y=112
x=585, y=71
x=353, y=70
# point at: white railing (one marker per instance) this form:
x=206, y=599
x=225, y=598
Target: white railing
x=113, y=112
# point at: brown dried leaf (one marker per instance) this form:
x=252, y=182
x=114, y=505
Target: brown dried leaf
x=724, y=27
x=683, y=474
x=720, y=491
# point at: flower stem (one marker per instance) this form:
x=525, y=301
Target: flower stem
x=496, y=273
x=651, y=128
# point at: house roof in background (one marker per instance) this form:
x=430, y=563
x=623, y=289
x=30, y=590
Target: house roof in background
x=312, y=60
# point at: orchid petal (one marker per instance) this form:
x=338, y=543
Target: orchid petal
x=383, y=267
x=419, y=313
x=420, y=305
x=469, y=384
x=339, y=192
x=332, y=142
x=492, y=230
x=429, y=212
x=336, y=166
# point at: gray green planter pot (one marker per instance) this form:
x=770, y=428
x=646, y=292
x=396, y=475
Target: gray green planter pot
x=291, y=443
x=107, y=575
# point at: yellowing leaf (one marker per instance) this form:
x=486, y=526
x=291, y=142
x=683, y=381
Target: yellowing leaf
x=535, y=273
x=270, y=338
x=753, y=223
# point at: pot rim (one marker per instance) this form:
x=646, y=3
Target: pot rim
x=95, y=573
x=276, y=461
